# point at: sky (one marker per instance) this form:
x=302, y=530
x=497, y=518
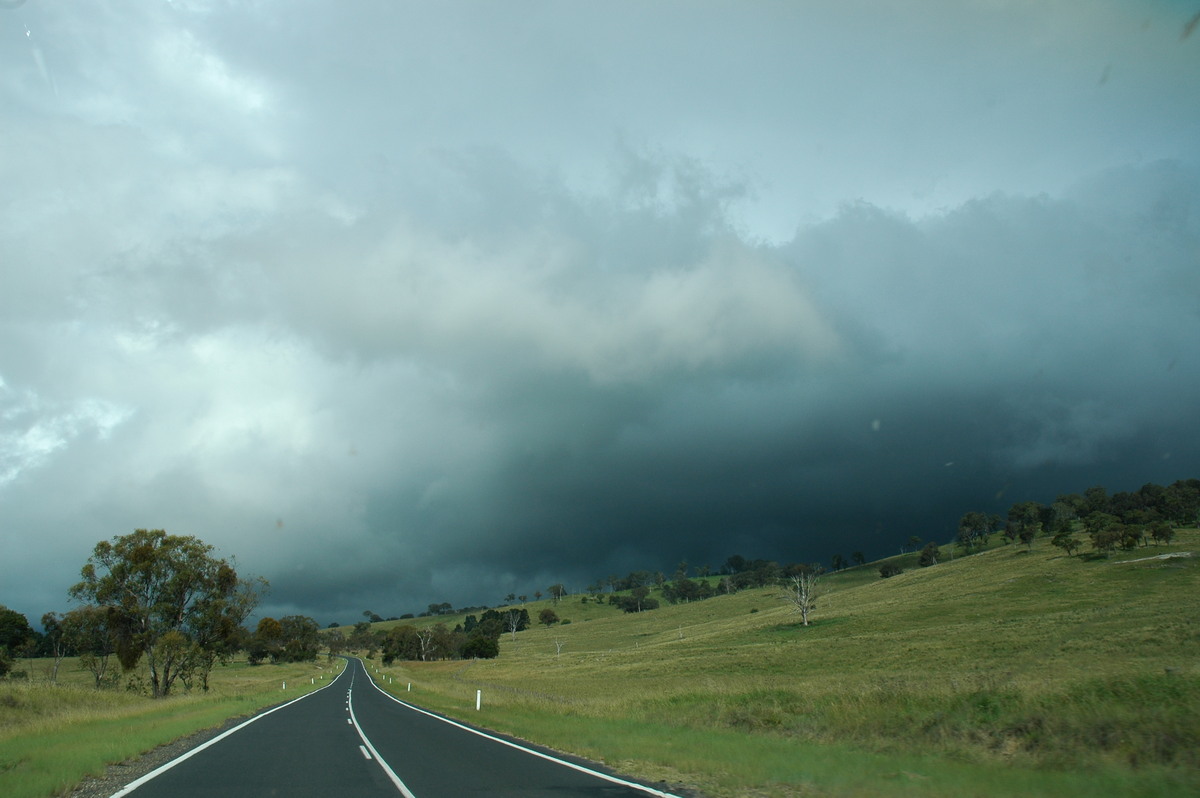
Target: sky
x=407, y=303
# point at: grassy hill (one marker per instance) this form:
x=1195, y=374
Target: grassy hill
x=1011, y=671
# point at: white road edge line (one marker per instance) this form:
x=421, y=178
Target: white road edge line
x=133, y=785
x=391, y=774
x=530, y=751
x=366, y=754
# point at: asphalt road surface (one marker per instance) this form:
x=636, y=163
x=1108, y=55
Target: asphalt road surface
x=352, y=739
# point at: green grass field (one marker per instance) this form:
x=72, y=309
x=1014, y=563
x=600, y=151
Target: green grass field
x=53, y=734
x=1008, y=672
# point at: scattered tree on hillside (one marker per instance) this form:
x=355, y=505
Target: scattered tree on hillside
x=1105, y=531
x=480, y=647
x=859, y=558
x=547, y=617
x=686, y=590
x=1162, y=532
x=890, y=569
x=638, y=600
x=838, y=562
x=176, y=605
x=975, y=528
x=516, y=621
x=929, y=555
x=361, y=638
x=1065, y=539
x=334, y=641
x=801, y=593
x=1024, y=522
x=557, y=591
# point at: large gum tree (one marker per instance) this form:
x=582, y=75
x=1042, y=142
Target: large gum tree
x=172, y=602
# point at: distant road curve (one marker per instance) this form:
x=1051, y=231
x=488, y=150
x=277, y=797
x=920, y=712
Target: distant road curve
x=352, y=738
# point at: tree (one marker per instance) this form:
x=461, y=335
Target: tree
x=1162, y=532
x=15, y=632
x=334, y=641
x=481, y=647
x=929, y=555
x=361, y=638
x=173, y=602
x=974, y=529
x=266, y=642
x=1024, y=522
x=516, y=620
x=548, y=617
x=557, y=591
x=401, y=642
x=425, y=641
x=300, y=641
x=92, y=633
x=54, y=641
x=1105, y=531
x=838, y=562
x=801, y=593
x=859, y=558
x=890, y=569
x=1066, y=540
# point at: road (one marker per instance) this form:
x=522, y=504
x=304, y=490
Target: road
x=353, y=739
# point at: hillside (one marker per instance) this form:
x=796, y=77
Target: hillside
x=1007, y=662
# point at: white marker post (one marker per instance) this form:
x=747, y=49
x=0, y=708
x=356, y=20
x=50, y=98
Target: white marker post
x=478, y=699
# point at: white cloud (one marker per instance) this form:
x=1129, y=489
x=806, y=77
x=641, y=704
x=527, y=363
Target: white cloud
x=33, y=431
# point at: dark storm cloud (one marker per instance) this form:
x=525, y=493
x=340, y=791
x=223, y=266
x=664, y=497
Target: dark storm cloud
x=404, y=304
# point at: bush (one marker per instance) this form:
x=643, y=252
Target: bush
x=480, y=647
x=890, y=569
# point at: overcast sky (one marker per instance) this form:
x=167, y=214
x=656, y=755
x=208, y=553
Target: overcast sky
x=402, y=303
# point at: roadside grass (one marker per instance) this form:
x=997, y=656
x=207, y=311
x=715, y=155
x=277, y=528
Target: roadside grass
x=1005, y=672
x=53, y=734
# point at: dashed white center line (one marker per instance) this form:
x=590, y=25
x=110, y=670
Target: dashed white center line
x=368, y=750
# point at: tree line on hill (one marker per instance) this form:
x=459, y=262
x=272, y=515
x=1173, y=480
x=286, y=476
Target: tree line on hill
x=1122, y=520
x=167, y=601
